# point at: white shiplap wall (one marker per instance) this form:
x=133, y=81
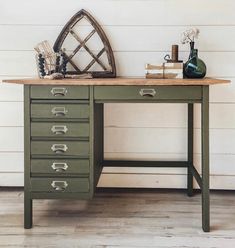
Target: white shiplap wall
x=140, y=31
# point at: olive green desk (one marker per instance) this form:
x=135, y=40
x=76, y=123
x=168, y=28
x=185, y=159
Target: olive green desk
x=64, y=133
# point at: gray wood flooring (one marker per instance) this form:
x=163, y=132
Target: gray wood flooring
x=119, y=219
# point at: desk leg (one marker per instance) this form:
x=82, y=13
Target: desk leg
x=190, y=150
x=27, y=198
x=27, y=211
x=205, y=159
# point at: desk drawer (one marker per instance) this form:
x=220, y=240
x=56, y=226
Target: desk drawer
x=59, y=92
x=58, y=167
x=71, y=185
x=60, y=148
x=60, y=111
x=59, y=129
x=147, y=92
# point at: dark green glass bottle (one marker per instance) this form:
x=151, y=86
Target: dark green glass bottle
x=194, y=67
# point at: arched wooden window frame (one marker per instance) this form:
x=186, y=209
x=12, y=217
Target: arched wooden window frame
x=107, y=72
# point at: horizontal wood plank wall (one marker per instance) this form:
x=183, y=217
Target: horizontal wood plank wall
x=140, y=32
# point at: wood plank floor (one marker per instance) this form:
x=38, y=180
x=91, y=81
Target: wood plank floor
x=115, y=219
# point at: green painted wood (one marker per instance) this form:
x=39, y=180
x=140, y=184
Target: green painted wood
x=196, y=175
x=59, y=92
x=92, y=140
x=190, y=151
x=98, y=141
x=205, y=159
x=60, y=167
x=74, y=148
x=59, y=130
x=27, y=198
x=86, y=103
x=129, y=163
x=28, y=210
x=59, y=120
x=148, y=101
x=71, y=111
x=48, y=101
x=136, y=92
x=87, y=156
x=60, y=185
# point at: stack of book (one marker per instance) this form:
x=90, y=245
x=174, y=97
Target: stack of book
x=166, y=70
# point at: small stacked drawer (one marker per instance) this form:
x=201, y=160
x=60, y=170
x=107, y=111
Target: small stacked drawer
x=60, y=139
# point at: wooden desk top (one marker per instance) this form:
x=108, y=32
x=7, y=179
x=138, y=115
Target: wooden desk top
x=118, y=81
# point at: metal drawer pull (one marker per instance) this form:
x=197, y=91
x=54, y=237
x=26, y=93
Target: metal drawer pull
x=59, y=129
x=148, y=92
x=59, y=91
x=59, y=185
x=59, y=148
x=59, y=111
x=59, y=167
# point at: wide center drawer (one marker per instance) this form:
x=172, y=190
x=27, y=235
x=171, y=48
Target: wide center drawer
x=147, y=92
x=60, y=148
x=71, y=185
x=60, y=166
x=59, y=129
x=59, y=92
x=60, y=111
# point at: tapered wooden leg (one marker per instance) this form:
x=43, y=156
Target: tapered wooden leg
x=28, y=216
x=205, y=160
x=190, y=150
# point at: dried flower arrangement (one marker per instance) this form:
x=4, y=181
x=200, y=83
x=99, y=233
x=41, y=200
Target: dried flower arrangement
x=190, y=35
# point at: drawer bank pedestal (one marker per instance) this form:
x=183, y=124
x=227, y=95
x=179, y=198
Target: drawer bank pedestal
x=63, y=128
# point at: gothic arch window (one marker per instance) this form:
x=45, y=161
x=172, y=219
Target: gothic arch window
x=86, y=47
